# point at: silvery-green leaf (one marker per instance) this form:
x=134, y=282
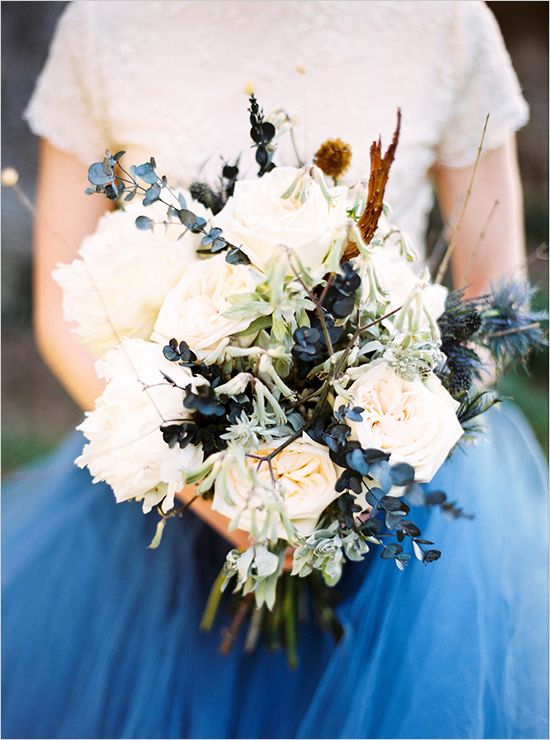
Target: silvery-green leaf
x=262, y=322
x=199, y=472
x=265, y=561
x=279, y=328
x=155, y=542
x=332, y=573
x=266, y=591
x=243, y=564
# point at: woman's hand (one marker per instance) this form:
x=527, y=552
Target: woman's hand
x=237, y=537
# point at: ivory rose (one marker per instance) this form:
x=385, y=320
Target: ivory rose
x=125, y=446
x=194, y=309
x=415, y=421
x=399, y=280
x=307, y=477
x=122, y=275
x=259, y=220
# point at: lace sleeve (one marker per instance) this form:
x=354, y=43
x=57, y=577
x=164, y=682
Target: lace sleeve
x=67, y=105
x=485, y=83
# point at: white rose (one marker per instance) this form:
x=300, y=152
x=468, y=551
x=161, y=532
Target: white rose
x=415, y=421
x=126, y=448
x=193, y=310
x=306, y=475
x=117, y=285
x=259, y=220
x=399, y=280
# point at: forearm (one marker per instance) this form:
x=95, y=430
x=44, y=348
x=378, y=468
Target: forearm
x=220, y=523
x=64, y=217
x=68, y=360
x=489, y=243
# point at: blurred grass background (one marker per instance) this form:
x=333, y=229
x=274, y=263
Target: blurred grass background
x=37, y=413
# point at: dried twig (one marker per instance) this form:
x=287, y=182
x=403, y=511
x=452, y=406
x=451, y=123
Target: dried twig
x=231, y=633
x=456, y=228
x=378, y=179
x=476, y=246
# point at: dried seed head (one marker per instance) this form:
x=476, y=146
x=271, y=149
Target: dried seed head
x=9, y=177
x=333, y=157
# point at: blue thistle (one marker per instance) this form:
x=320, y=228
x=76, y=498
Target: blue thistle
x=459, y=325
x=510, y=329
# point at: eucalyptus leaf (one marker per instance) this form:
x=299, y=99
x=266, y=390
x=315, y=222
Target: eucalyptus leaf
x=391, y=503
x=356, y=461
x=431, y=555
x=394, y=518
x=380, y=471
x=152, y=194
x=374, y=495
x=410, y=528
x=145, y=172
x=391, y=551
x=236, y=256
x=435, y=498
x=415, y=495
x=144, y=223
x=401, y=474
x=98, y=176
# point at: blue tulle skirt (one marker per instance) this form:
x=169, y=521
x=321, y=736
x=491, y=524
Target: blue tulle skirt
x=101, y=635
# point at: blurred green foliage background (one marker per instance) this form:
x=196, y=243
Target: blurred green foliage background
x=37, y=413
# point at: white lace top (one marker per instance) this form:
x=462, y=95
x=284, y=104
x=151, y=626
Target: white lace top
x=168, y=79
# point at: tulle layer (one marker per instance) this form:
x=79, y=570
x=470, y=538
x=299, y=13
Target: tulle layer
x=101, y=638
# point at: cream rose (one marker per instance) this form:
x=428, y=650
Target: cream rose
x=259, y=220
x=125, y=446
x=193, y=310
x=399, y=280
x=122, y=275
x=306, y=475
x=414, y=421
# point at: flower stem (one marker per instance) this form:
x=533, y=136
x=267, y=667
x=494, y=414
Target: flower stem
x=290, y=617
x=213, y=603
x=233, y=630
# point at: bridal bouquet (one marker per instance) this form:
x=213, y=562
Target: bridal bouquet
x=270, y=342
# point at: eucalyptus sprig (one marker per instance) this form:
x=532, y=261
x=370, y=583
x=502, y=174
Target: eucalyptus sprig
x=112, y=180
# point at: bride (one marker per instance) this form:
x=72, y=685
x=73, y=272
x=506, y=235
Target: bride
x=101, y=634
